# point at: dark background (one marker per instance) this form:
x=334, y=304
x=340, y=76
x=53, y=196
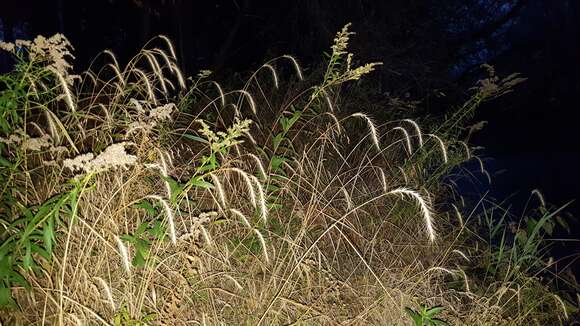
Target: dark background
x=428, y=47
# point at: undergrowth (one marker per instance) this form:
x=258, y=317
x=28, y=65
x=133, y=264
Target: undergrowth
x=133, y=195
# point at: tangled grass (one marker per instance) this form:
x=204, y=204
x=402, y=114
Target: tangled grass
x=156, y=199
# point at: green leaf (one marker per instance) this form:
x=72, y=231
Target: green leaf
x=175, y=187
x=434, y=311
x=277, y=162
x=142, y=227
x=417, y=319
x=549, y=227
x=284, y=124
x=294, y=118
x=277, y=140
x=40, y=251
x=200, y=183
x=531, y=225
x=157, y=230
x=272, y=187
x=27, y=259
x=147, y=206
x=48, y=235
x=274, y=206
x=138, y=260
x=18, y=279
x=219, y=221
x=563, y=224
x=128, y=238
x=195, y=138
x=149, y=317
x=6, y=299
x=4, y=162
x=439, y=322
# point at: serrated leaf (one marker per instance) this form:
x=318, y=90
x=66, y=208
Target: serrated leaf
x=157, y=230
x=175, y=187
x=147, y=206
x=142, y=227
x=277, y=162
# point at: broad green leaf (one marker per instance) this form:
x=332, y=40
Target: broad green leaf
x=284, y=124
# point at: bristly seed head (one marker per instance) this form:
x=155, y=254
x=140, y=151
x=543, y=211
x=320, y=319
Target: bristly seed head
x=417, y=129
x=407, y=138
x=425, y=209
x=124, y=255
x=372, y=127
x=296, y=65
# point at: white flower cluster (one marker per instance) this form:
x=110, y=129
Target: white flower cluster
x=112, y=157
x=197, y=228
x=54, y=50
x=27, y=143
x=156, y=115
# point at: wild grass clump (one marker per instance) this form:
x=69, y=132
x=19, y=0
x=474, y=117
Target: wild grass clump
x=133, y=195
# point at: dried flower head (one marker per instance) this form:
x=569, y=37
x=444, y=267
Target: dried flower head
x=6, y=46
x=222, y=140
x=162, y=113
x=53, y=52
x=341, y=40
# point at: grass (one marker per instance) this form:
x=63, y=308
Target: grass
x=133, y=195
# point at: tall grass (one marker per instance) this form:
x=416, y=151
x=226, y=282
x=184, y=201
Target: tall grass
x=132, y=195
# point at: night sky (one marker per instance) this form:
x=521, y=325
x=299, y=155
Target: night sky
x=428, y=48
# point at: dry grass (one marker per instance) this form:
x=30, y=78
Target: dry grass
x=326, y=226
